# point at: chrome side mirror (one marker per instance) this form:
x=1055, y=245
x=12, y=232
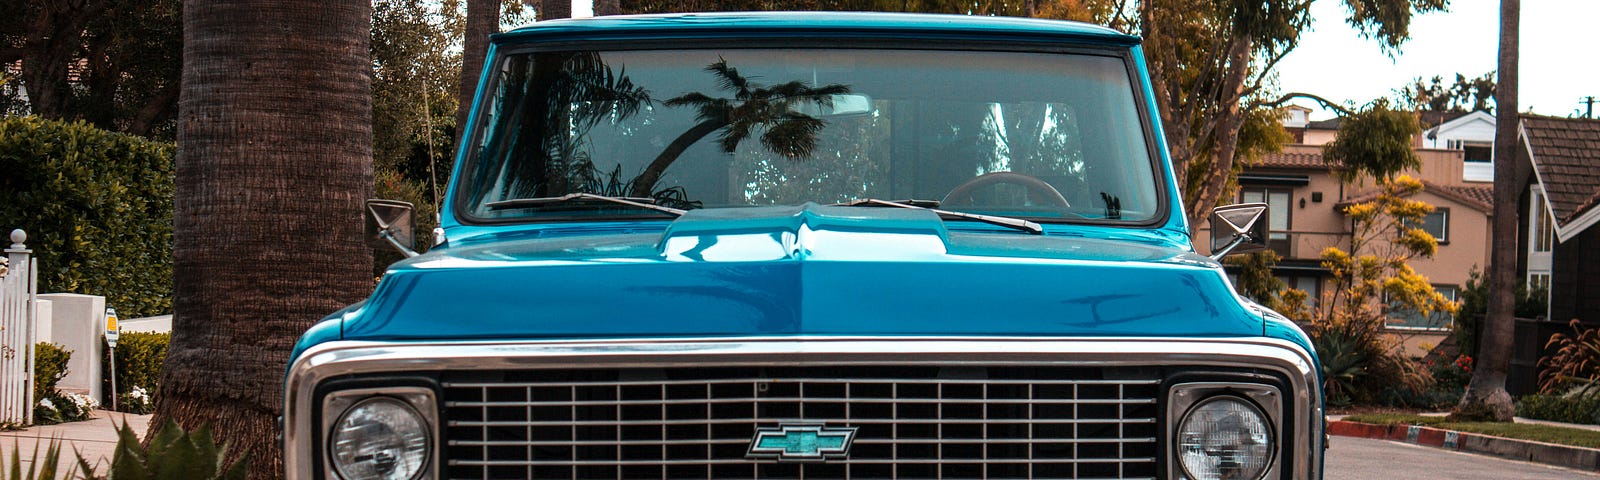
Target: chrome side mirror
x=1236, y=229
x=389, y=225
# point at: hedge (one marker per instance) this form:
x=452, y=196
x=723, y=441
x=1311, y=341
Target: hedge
x=49, y=367
x=97, y=207
x=1561, y=408
x=139, y=357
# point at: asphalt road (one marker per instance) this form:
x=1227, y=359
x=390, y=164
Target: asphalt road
x=1361, y=459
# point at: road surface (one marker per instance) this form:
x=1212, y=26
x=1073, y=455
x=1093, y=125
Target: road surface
x=1361, y=459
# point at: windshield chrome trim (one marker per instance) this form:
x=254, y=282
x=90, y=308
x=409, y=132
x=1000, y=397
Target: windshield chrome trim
x=341, y=358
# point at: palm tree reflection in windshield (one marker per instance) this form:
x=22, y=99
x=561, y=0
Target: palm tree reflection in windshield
x=774, y=109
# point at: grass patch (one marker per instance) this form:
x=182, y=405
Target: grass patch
x=1524, y=431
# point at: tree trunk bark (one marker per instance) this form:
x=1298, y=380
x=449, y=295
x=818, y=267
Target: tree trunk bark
x=1486, y=397
x=554, y=9
x=483, y=19
x=274, y=163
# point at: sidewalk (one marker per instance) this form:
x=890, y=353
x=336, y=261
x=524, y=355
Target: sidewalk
x=94, y=439
x=1586, y=459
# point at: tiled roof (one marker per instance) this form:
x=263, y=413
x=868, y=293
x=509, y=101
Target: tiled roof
x=1293, y=159
x=1566, y=155
x=1482, y=195
x=1479, y=198
x=1329, y=124
x=1430, y=119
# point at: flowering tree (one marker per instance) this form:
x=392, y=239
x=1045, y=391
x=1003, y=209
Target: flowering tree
x=1370, y=280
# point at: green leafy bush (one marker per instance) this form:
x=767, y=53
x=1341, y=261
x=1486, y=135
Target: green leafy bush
x=97, y=207
x=1561, y=408
x=51, y=405
x=1530, y=303
x=139, y=357
x=49, y=367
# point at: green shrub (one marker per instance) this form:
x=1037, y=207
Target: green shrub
x=51, y=405
x=1561, y=408
x=139, y=357
x=49, y=367
x=97, y=207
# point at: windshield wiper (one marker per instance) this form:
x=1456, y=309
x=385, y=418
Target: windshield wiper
x=1016, y=223
x=639, y=202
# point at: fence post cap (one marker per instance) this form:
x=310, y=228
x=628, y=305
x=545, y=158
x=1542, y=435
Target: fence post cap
x=17, y=237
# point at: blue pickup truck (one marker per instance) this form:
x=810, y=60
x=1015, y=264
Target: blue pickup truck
x=808, y=245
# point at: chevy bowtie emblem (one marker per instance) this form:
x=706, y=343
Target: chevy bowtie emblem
x=801, y=442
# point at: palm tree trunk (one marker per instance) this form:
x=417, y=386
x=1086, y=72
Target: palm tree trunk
x=483, y=19
x=1486, y=397
x=274, y=162
x=554, y=9
x=644, y=184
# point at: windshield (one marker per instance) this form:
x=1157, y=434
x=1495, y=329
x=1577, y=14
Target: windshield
x=1048, y=136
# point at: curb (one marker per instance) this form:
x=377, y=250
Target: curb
x=1578, y=458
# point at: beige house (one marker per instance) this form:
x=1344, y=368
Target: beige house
x=1305, y=212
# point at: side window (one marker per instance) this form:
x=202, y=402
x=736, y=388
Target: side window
x=1436, y=224
x=1279, y=214
x=1477, y=152
x=1402, y=317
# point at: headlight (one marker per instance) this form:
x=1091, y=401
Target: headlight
x=1224, y=437
x=380, y=438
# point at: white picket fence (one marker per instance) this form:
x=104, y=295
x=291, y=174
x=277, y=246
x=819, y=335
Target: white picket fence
x=18, y=309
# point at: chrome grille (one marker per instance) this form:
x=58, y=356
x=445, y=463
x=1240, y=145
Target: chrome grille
x=913, y=422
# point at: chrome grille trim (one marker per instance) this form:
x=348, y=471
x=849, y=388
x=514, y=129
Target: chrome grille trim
x=684, y=422
x=341, y=358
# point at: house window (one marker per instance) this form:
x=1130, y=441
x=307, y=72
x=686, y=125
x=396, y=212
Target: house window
x=1403, y=317
x=1477, y=152
x=1311, y=284
x=1540, y=236
x=1538, y=281
x=1436, y=224
x=1279, y=213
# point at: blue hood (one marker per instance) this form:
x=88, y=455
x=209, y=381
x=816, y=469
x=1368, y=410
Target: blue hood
x=802, y=270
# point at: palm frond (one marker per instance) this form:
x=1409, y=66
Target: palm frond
x=795, y=136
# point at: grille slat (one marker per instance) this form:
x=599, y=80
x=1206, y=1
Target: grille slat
x=958, y=421
x=1134, y=401
x=735, y=421
x=469, y=443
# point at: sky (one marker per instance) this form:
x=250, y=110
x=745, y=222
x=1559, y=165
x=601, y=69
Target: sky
x=1559, y=61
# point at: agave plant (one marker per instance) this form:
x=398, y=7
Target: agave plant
x=172, y=453
x=1344, y=362
x=38, y=468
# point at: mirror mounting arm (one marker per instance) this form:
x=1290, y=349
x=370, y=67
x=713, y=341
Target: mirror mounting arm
x=393, y=242
x=1238, y=239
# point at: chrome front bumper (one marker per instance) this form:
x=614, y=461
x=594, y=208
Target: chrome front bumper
x=345, y=358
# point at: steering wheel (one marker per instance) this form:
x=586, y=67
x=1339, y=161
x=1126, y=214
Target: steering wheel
x=1038, y=190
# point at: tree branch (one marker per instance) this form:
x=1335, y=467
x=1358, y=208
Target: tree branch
x=157, y=107
x=1328, y=104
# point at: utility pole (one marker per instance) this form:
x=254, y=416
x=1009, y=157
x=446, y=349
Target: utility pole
x=1588, y=102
